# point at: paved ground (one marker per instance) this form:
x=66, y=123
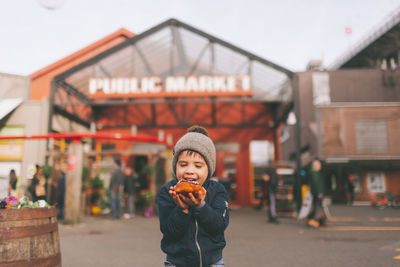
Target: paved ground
x=355, y=236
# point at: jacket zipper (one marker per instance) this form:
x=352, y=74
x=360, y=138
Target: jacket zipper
x=197, y=243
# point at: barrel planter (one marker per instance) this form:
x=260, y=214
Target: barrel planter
x=29, y=237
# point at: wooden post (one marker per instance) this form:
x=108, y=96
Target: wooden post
x=74, y=183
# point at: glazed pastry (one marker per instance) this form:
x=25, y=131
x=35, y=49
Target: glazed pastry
x=187, y=186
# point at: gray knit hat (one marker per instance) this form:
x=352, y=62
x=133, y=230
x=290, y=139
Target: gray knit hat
x=198, y=142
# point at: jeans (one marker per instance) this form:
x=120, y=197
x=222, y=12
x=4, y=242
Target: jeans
x=272, y=208
x=220, y=263
x=116, y=209
x=131, y=204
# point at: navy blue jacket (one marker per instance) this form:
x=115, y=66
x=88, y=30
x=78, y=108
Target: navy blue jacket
x=196, y=238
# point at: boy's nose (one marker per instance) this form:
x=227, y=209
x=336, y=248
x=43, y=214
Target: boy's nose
x=189, y=170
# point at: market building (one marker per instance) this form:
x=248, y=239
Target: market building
x=160, y=82
x=350, y=117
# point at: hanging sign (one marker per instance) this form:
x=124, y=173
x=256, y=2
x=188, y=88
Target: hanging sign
x=72, y=162
x=170, y=86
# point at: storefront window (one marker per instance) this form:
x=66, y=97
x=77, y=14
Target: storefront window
x=227, y=153
x=261, y=156
x=376, y=182
x=357, y=184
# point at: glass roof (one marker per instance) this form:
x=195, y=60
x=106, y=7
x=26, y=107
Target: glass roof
x=176, y=49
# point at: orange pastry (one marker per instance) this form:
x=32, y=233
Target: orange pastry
x=187, y=186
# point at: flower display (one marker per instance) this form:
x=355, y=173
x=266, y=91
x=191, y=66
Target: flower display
x=12, y=202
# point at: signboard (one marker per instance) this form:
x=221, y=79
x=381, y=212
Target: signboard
x=376, y=182
x=72, y=162
x=170, y=86
x=372, y=136
x=11, y=150
x=321, y=89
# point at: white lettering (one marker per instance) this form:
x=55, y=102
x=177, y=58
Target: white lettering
x=126, y=88
x=205, y=83
x=231, y=83
x=92, y=86
x=116, y=86
x=219, y=83
x=134, y=86
x=246, y=84
x=106, y=85
x=192, y=84
x=155, y=85
x=175, y=84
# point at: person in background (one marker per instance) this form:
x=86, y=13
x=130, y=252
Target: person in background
x=38, y=185
x=350, y=189
x=129, y=190
x=264, y=185
x=12, y=186
x=116, y=184
x=226, y=182
x=316, y=192
x=149, y=171
x=272, y=190
x=61, y=187
x=53, y=182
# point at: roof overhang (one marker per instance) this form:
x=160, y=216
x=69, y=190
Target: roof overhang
x=7, y=105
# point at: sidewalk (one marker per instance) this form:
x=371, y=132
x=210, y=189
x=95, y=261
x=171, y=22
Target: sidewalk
x=251, y=241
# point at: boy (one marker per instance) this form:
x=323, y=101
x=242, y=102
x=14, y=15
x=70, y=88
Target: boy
x=193, y=226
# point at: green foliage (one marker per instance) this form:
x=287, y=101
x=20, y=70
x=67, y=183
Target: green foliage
x=97, y=183
x=145, y=198
x=85, y=177
x=95, y=198
x=104, y=204
x=47, y=170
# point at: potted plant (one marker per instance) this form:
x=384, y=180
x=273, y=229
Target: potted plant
x=96, y=195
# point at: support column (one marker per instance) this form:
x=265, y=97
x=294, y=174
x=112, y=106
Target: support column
x=298, y=145
x=277, y=144
x=74, y=183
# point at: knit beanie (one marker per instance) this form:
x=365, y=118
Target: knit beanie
x=196, y=140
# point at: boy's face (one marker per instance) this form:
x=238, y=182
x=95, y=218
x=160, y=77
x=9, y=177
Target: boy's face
x=191, y=166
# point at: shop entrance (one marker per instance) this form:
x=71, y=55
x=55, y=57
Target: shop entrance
x=227, y=166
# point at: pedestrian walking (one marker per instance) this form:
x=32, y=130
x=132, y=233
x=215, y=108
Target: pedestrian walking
x=38, y=185
x=116, y=184
x=264, y=185
x=129, y=190
x=193, y=225
x=272, y=190
x=317, y=215
x=12, y=185
x=61, y=187
x=350, y=189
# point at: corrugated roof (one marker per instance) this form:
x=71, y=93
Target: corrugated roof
x=175, y=48
x=377, y=32
x=119, y=33
x=7, y=105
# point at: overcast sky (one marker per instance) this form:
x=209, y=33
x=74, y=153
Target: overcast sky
x=286, y=32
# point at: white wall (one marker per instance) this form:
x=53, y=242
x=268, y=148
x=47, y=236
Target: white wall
x=14, y=86
x=33, y=115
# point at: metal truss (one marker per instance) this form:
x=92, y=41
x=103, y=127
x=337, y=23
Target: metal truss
x=66, y=99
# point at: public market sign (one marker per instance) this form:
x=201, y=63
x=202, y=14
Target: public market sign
x=232, y=85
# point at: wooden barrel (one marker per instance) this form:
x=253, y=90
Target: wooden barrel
x=29, y=237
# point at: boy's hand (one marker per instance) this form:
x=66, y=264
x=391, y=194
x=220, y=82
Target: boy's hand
x=194, y=200
x=178, y=200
